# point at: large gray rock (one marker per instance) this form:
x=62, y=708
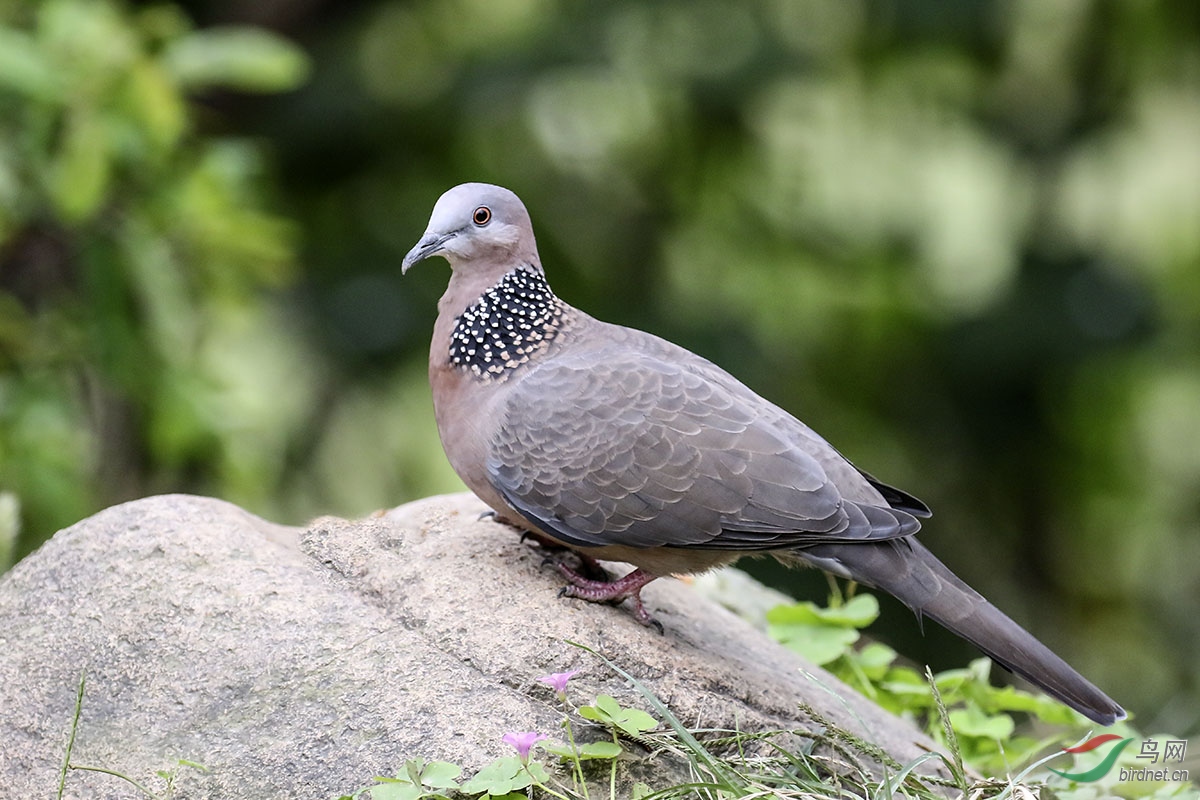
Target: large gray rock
x=298, y=663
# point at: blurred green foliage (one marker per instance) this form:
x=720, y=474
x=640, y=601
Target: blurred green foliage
x=961, y=240
x=134, y=253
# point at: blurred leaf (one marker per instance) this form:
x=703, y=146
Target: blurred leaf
x=24, y=67
x=156, y=105
x=1047, y=709
x=822, y=634
x=246, y=59
x=874, y=660
x=972, y=721
x=858, y=612
x=907, y=682
x=216, y=209
x=80, y=175
x=820, y=644
x=91, y=43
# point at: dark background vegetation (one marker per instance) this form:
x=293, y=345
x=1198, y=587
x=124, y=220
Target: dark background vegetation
x=962, y=240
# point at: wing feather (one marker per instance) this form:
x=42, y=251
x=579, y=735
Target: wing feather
x=644, y=450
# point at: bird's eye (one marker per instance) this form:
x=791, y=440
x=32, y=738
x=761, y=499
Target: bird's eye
x=482, y=215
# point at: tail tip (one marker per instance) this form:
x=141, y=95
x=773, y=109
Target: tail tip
x=1106, y=716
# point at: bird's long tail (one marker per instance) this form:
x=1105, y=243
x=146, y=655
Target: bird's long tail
x=907, y=570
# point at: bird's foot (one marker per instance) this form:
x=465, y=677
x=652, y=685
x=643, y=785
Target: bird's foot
x=589, y=568
x=610, y=591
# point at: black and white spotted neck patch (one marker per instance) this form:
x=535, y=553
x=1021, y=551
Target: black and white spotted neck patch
x=507, y=325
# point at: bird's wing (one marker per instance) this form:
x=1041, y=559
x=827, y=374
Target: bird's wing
x=632, y=448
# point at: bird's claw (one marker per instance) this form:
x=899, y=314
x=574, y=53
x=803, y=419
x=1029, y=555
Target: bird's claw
x=611, y=591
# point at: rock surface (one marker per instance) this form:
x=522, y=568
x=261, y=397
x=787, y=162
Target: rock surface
x=299, y=663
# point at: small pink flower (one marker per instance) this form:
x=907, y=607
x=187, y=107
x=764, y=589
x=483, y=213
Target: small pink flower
x=522, y=742
x=558, y=682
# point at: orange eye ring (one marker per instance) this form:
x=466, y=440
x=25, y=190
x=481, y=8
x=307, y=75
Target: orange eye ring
x=481, y=215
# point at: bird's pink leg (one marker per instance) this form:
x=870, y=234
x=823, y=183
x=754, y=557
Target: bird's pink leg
x=590, y=582
x=627, y=588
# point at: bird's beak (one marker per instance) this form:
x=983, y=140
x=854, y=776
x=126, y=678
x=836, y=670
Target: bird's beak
x=430, y=245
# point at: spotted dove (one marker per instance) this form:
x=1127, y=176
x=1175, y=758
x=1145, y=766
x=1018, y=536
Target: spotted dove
x=622, y=446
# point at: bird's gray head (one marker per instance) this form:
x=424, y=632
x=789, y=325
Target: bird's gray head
x=477, y=221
